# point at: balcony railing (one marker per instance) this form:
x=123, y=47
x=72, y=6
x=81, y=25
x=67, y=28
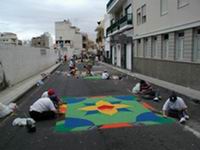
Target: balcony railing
x=109, y=4
x=126, y=20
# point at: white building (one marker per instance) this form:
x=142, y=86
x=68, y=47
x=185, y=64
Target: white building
x=68, y=37
x=8, y=38
x=165, y=35
x=167, y=40
x=120, y=32
x=50, y=39
x=107, y=44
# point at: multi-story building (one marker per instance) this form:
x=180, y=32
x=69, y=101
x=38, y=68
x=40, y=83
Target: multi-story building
x=157, y=38
x=43, y=41
x=68, y=37
x=85, y=41
x=167, y=40
x=100, y=38
x=8, y=38
x=119, y=32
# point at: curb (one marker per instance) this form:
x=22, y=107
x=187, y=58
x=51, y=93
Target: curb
x=12, y=94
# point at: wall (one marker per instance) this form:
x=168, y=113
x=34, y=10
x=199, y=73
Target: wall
x=20, y=63
x=185, y=74
x=175, y=19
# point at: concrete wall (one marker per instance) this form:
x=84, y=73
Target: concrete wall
x=175, y=19
x=185, y=74
x=20, y=63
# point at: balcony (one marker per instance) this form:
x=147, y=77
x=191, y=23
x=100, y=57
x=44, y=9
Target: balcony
x=113, y=5
x=121, y=25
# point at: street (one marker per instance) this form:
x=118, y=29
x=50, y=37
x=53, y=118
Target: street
x=144, y=137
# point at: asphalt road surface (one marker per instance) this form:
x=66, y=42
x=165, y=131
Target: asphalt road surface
x=157, y=137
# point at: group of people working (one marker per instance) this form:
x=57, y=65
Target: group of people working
x=46, y=107
x=88, y=67
x=174, y=106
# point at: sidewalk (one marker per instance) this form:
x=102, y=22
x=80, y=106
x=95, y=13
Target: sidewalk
x=13, y=93
x=194, y=94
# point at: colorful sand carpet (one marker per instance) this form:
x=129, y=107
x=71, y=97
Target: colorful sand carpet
x=107, y=112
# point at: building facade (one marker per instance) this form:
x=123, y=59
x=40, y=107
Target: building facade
x=43, y=41
x=8, y=38
x=68, y=38
x=157, y=38
x=167, y=40
x=119, y=33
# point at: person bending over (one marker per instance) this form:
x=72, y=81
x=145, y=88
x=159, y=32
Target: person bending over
x=43, y=109
x=175, y=107
x=105, y=75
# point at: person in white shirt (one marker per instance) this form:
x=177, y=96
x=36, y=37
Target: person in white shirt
x=175, y=107
x=105, y=75
x=43, y=109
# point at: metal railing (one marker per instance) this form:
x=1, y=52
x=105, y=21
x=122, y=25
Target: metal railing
x=125, y=20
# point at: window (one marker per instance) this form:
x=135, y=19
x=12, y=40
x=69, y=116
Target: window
x=67, y=42
x=165, y=46
x=138, y=16
x=182, y=3
x=179, y=45
x=196, y=52
x=112, y=21
x=154, y=47
x=163, y=7
x=144, y=15
x=128, y=9
x=138, y=47
x=145, y=46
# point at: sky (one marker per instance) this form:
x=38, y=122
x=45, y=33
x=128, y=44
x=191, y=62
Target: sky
x=29, y=18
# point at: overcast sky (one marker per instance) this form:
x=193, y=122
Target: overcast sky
x=30, y=18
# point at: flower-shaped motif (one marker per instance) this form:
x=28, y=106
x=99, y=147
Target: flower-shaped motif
x=105, y=107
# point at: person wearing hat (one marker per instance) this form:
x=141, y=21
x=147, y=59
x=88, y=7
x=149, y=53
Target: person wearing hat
x=105, y=75
x=52, y=95
x=175, y=107
x=43, y=109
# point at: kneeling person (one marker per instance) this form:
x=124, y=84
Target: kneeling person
x=175, y=107
x=105, y=75
x=43, y=109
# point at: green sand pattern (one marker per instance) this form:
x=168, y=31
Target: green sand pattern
x=99, y=119
x=96, y=77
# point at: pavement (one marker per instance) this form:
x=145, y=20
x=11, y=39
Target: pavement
x=11, y=94
x=192, y=93
x=162, y=137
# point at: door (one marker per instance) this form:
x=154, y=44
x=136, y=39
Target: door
x=179, y=45
x=118, y=55
x=123, y=57
x=114, y=56
x=128, y=56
